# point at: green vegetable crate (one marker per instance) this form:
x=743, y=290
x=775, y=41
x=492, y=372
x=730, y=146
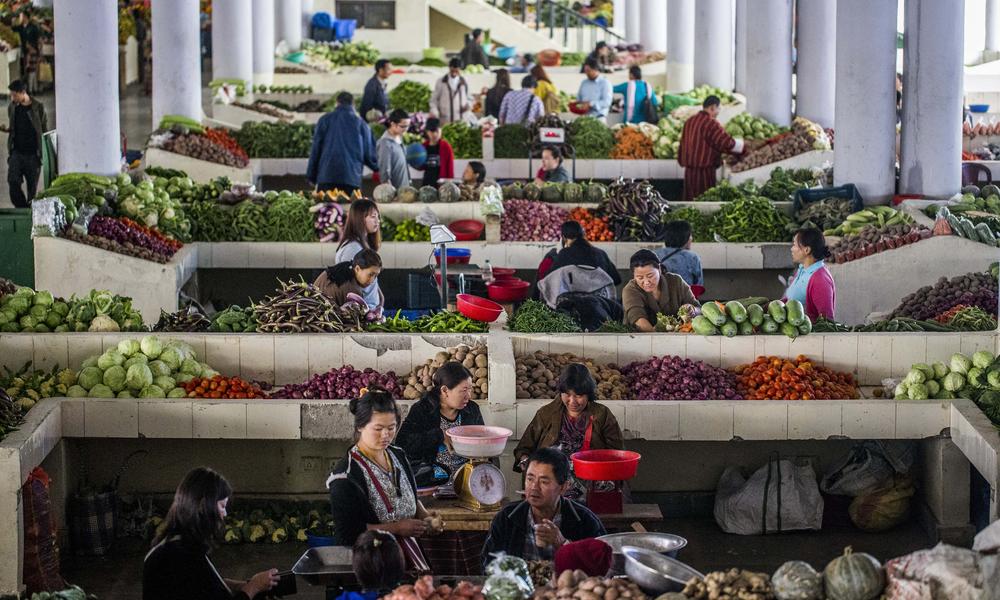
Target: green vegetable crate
x=17, y=254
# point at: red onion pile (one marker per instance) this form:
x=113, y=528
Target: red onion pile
x=675, y=378
x=530, y=221
x=340, y=384
x=971, y=289
x=113, y=229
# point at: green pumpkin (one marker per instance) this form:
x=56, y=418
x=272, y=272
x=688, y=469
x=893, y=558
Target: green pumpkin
x=449, y=192
x=513, y=191
x=384, y=192
x=797, y=580
x=428, y=194
x=854, y=576
x=406, y=194
x=596, y=192
x=532, y=192
x=552, y=192
x=573, y=192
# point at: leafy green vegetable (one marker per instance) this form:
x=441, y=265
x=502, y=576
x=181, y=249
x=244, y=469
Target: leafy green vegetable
x=466, y=141
x=411, y=96
x=536, y=317
x=591, y=139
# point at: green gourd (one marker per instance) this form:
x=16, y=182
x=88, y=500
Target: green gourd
x=854, y=576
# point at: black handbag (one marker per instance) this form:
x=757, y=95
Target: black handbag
x=647, y=108
x=427, y=475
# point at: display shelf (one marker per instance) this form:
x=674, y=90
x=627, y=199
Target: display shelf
x=201, y=171
x=806, y=160
x=64, y=268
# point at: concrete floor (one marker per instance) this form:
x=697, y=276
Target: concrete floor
x=119, y=576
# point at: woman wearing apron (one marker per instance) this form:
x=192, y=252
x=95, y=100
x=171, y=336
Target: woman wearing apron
x=574, y=422
x=373, y=486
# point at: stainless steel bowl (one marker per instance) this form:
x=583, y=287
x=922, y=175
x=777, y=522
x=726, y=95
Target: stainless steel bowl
x=655, y=573
x=663, y=543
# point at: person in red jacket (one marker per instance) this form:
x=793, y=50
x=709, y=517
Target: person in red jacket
x=703, y=141
x=440, y=157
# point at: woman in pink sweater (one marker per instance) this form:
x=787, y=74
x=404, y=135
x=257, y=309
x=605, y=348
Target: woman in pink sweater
x=812, y=284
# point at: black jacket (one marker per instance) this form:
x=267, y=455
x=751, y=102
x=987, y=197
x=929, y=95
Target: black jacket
x=175, y=570
x=39, y=121
x=510, y=526
x=421, y=435
x=349, y=502
x=375, y=97
x=473, y=54
x=586, y=255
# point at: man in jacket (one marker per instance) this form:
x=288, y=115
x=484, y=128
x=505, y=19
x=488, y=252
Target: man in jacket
x=703, y=141
x=392, y=166
x=375, y=96
x=27, y=123
x=535, y=528
x=450, y=100
x=342, y=146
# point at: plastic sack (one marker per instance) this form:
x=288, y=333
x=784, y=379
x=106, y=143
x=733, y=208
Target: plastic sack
x=48, y=217
x=82, y=222
x=988, y=540
x=867, y=467
x=883, y=509
x=508, y=578
x=942, y=573
x=780, y=496
x=427, y=217
x=491, y=200
x=226, y=94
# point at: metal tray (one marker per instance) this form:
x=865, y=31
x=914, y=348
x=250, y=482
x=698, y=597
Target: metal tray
x=325, y=565
x=663, y=543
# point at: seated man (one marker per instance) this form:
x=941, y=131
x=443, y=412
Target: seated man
x=544, y=521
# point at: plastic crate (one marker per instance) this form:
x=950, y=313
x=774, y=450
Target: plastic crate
x=343, y=29
x=848, y=191
x=18, y=252
x=421, y=291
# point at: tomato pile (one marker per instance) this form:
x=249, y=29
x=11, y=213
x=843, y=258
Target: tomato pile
x=773, y=378
x=222, y=138
x=595, y=228
x=232, y=388
x=176, y=245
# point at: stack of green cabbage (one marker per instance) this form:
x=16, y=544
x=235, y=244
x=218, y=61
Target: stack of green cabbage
x=667, y=138
x=147, y=368
x=962, y=377
x=749, y=127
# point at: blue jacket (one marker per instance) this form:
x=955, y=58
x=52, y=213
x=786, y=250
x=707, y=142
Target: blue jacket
x=375, y=96
x=342, y=146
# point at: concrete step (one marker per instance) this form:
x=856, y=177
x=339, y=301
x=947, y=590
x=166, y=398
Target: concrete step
x=504, y=29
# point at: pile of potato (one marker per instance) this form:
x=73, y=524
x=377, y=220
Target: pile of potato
x=734, y=584
x=538, y=376
x=475, y=359
x=576, y=585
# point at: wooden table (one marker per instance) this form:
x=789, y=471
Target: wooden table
x=458, y=518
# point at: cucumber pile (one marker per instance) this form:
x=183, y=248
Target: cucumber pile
x=733, y=318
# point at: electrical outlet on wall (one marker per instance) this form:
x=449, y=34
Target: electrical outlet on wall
x=309, y=464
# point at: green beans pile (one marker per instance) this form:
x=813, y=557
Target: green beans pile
x=289, y=219
x=250, y=222
x=537, y=317
x=751, y=219
x=440, y=322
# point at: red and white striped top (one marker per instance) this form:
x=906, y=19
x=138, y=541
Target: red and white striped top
x=703, y=140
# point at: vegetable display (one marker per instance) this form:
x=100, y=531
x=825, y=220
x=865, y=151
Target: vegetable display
x=147, y=368
x=803, y=137
x=275, y=140
x=525, y=220
x=854, y=576
x=667, y=138
x=749, y=127
x=982, y=229
x=187, y=320
x=538, y=376
x=751, y=219
x=465, y=140
x=733, y=318
x=635, y=211
x=409, y=230
x=877, y=217
x=591, y=138
x=971, y=289
x=234, y=320
x=136, y=241
x=734, y=584
x=774, y=378
x=157, y=204
x=511, y=141
x=577, y=585
x=474, y=358
x=701, y=222
x=217, y=386
x=976, y=378
x=675, y=378
x=299, y=307
x=25, y=310
x=632, y=144
x=438, y=322
x=343, y=383
x=289, y=219
x=20, y=390
x=594, y=228
x=202, y=148
x=411, y=96
x=826, y=213
x=424, y=589
x=898, y=324
x=872, y=240
x=328, y=55
x=536, y=317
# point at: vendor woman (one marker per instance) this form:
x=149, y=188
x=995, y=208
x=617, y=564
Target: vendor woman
x=355, y=276
x=573, y=422
x=652, y=291
x=812, y=284
x=373, y=486
x=447, y=404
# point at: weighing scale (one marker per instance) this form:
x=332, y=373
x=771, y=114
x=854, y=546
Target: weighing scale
x=479, y=484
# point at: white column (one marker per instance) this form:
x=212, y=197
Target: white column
x=289, y=21
x=713, y=30
x=619, y=11
x=653, y=28
x=740, y=72
x=176, y=59
x=865, y=150
x=769, y=61
x=308, y=7
x=87, y=86
x=931, y=137
x=815, y=68
x=633, y=18
x=232, y=40
x=680, y=45
x=992, y=25
x=263, y=41
x=42, y=3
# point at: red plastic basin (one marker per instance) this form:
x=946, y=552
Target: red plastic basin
x=508, y=290
x=503, y=273
x=605, y=465
x=467, y=230
x=478, y=308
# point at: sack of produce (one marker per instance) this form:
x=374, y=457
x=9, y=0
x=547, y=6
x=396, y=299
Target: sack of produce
x=750, y=506
x=883, y=509
x=867, y=467
x=940, y=572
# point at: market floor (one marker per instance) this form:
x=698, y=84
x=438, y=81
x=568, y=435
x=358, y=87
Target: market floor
x=119, y=576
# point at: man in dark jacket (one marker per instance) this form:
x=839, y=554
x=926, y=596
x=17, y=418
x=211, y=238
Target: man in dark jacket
x=342, y=146
x=27, y=123
x=375, y=96
x=539, y=525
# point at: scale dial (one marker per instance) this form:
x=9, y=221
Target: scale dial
x=487, y=483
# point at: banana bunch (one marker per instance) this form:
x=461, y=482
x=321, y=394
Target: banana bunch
x=877, y=216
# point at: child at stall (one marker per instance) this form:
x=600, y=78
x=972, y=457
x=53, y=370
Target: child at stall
x=378, y=564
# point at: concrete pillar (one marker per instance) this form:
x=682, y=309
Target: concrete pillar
x=619, y=11
x=632, y=20
x=816, y=60
x=176, y=59
x=992, y=25
x=931, y=138
x=42, y=3
x=865, y=150
x=680, y=45
x=713, y=30
x=740, y=72
x=87, y=86
x=263, y=41
x=289, y=21
x=308, y=7
x=653, y=28
x=769, y=61
x=232, y=40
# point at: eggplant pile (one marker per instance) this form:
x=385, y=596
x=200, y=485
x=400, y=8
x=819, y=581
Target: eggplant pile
x=186, y=320
x=635, y=211
x=299, y=307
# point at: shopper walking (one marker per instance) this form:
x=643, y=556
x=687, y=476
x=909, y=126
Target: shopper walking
x=392, y=166
x=450, y=100
x=375, y=96
x=27, y=123
x=473, y=53
x=31, y=48
x=703, y=141
x=523, y=106
x=595, y=92
x=342, y=146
